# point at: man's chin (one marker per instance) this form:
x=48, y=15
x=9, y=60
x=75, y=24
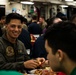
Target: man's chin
x=15, y=37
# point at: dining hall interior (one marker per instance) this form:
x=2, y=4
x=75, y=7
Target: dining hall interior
x=27, y=37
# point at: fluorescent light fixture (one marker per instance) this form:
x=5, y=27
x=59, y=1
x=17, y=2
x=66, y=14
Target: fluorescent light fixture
x=68, y=0
x=63, y=5
x=74, y=2
x=25, y=2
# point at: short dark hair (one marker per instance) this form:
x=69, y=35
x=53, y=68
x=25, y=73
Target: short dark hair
x=42, y=16
x=13, y=16
x=34, y=17
x=51, y=21
x=62, y=36
x=24, y=20
x=2, y=17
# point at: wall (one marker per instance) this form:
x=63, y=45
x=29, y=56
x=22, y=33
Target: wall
x=3, y=2
x=24, y=12
x=18, y=6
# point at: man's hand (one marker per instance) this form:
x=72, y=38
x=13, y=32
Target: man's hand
x=41, y=60
x=31, y=64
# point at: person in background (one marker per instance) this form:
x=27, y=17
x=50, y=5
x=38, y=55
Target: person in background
x=38, y=49
x=60, y=44
x=25, y=24
x=34, y=28
x=61, y=15
x=2, y=21
x=25, y=35
x=1, y=33
x=13, y=55
x=50, y=22
x=42, y=22
x=25, y=38
x=2, y=24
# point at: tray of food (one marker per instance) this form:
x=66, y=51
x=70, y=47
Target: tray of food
x=42, y=72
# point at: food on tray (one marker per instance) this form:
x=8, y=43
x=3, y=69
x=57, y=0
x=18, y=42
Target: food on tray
x=38, y=72
x=44, y=72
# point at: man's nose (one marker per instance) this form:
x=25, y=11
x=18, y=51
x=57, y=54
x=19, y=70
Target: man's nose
x=16, y=28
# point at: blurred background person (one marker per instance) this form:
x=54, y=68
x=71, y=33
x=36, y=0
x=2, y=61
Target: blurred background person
x=26, y=39
x=38, y=49
x=42, y=22
x=34, y=28
x=61, y=15
x=2, y=25
x=50, y=22
x=25, y=24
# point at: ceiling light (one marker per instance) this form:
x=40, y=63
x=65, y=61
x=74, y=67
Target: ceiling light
x=24, y=2
x=68, y=0
x=74, y=2
x=64, y=6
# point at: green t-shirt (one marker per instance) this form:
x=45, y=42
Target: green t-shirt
x=73, y=72
x=3, y=72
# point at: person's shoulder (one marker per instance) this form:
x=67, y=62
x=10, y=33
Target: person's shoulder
x=31, y=23
x=19, y=42
x=23, y=30
x=40, y=38
x=34, y=23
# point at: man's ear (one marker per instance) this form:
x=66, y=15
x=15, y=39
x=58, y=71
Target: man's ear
x=60, y=54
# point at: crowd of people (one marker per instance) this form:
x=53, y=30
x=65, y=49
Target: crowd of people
x=56, y=44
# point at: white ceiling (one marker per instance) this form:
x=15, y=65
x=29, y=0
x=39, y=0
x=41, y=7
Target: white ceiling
x=52, y=1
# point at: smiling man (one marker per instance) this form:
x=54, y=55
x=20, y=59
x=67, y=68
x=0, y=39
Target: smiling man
x=60, y=44
x=13, y=54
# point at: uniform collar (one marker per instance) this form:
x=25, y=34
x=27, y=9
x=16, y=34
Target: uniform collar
x=5, y=38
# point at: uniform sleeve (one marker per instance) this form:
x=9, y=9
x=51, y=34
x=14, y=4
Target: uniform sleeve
x=27, y=57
